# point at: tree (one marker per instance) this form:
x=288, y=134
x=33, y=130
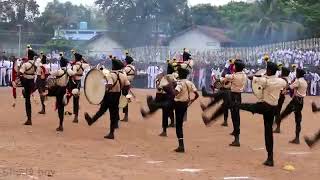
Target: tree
x=142, y=20
x=62, y=15
x=19, y=11
x=206, y=14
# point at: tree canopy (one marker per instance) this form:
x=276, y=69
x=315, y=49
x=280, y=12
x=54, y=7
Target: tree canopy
x=149, y=22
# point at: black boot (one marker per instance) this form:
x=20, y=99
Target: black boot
x=225, y=123
x=180, y=149
x=60, y=129
x=43, y=111
x=315, y=108
x=88, y=119
x=125, y=119
x=309, y=142
x=277, y=130
x=109, y=136
x=269, y=161
x=28, y=123
x=76, y=119
x=236, y=142
x=164, y=133
x=295, y=141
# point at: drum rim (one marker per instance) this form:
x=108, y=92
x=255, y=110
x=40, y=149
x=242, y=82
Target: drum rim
x=85, y=93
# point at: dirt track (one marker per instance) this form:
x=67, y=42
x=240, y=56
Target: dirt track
x=81, y=152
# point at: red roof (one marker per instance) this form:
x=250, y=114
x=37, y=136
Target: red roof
x=215, y=33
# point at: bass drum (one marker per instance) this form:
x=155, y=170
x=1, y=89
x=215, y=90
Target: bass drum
x=257, y=87
x=95, y=86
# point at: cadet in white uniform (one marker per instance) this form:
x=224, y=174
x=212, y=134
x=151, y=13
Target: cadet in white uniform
x=3, y=69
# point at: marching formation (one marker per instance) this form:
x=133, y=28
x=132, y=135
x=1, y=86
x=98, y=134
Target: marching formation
x=174, y=94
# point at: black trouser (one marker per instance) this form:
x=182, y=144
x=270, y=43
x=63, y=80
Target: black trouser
x=111, y=102
x=180, y=110
x=224, y=95
x=268, y=113
x=28, y=86
x=296, y=106
x=41, y=85
x=167, y=111
x=75, y=84
x=59, y=93
x=126, y=110
x=279, y=107
x=235, y=112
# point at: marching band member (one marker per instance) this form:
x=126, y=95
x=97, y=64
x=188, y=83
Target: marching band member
x=272, y=86
x=284, y=75
x=299, y=87
x=117, y=83
x=181, y=102
x=78, y=68
x=42, y=74
x=164, y=98
x=28, y=70
x=59, y=90
x=238, y=82
x=130, y=71
x=222, y=94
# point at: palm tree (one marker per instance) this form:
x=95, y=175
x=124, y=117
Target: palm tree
x=268, y=21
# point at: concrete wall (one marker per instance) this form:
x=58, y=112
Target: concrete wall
x=103, y=45
x=194, y=40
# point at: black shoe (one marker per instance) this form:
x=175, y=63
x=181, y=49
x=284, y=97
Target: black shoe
x=277, y=130
x=60, y=129
x=203, y=107
x=143, y=113
x=225, y=124
x=235, y=144
x=314, y=107
x=179, y=150
x=42, y=112
x=67, y=113
x=309, y=142
x=109, y=136
x=295, y=141
x=88, y=119
x=125, y=119
x=163, y=134
x=172, y=125
x=28, y=123
x=269, y=163
x=207, y=121
x=75, y=120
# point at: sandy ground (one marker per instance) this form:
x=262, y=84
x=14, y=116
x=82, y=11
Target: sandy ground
x=138, y=153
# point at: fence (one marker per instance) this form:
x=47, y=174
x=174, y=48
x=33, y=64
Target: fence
x=249, y=54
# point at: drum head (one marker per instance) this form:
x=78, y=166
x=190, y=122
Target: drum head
x=257, y=88
x=123, y=102
x=94, y=86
